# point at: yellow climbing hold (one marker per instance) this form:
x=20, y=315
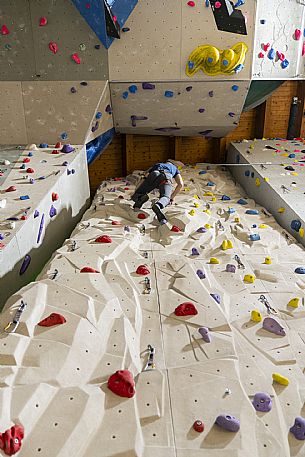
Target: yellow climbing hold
x=251, y=146
x=214, y=260
x=280, y=379
x=192, y=212
x=281, y=210
x=285, y=154
x=294, y=302
x=208, y=226
x=256, y=316
x=294, y=173
x=268, y=260
x=179, y=167
x=257, y=182
x=266, y=179
x=214, y=61
x=249, y=278
x=208, y=194
x=196, y=197
x=214, y=199
x=196, y=205
x=301, y=232
x=263, y=226
x=237, y=220
x=207, y=211
x=224, y=245
x=186, y=189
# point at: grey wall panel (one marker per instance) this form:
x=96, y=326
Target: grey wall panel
x=12, y=120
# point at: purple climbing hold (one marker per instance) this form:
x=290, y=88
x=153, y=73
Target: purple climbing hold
x=195, y=251
x=216, y=297
x=148, y=86
x=36, y=213
x=200, y=274
x=1, y=236
x=189, y=88
x=262, y=402
x=67, y=148
x=211, y=93
x=204, y=332
x=231, y=114
x=230, y=268
x=25, y=264
x=228, y=422
x=65, y=164
x=167, y=129
x=95, y=127
x=41, y=225
x=201, y=230
x=298, y=428
x=125, y=29
x=73, y=90
x=137, y=118
x=201, y=110
x=205, y=132
x=53, y=211
x=271, y=325
x=108, y=109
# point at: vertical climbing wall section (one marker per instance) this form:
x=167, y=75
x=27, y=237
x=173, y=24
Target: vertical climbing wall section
x=279, y=41
x=171, y=47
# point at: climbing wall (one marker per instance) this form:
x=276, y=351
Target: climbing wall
x=180, y=108
x=205, y=313
x=276, y=180
x=102, y=120
x=279, y=40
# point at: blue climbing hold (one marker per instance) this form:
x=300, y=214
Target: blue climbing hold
x=292, y=156
x=296, y=225
x=239, y=68
x=254, y=225
x=231, y=210
x=216, y=297
x=252, y=174
x=255, y=237
x=43, y=145
x=263, y=21
x=285, y=64
x=207, y=4
x=225, y=63
x=30, y=154
x=241, y=201
x=98, y=115
x=300, y=270
x=22, y=167
x=239, y=3
x=133, y=89
x=202, y=172
x=64, y=135
x=195, y=251
x=225, y=198
x=125, y=29
x=252, y=212
x=210, y=59
x=125, y=95
x=210, y=184
x=190, y=64
x=235, y=88
x=247, y=173
x=169, y=93
x=200, y=274
x=271, y=54
x=24, y=197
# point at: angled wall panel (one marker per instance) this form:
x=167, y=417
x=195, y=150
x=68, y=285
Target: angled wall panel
x=102, y=120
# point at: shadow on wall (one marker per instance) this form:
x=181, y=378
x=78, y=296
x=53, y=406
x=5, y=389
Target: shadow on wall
x=54, y=238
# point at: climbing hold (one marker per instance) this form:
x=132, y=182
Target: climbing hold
x=186, y=309
x=191, y=3
x=73, y=90
x=300, y=270
x=256, y=316
x=175, y=229
x=289, y=168
x=241, y=201
x=280, y=379
x=142, y=270
x=216, y=297
x=202, y=172
x=268, y=260
x=4, y=30
x=3, y=203
x=198, y=426
x=226, y=244
x=141, y=216
x=235, y=88
x=263, y=226
x=52, y=319
x=237, y=220
x=189, y=88
x=125, y=95
x=205, y=334
x=247, y=173
x=228, y=422
x=26, y=160
x=168, y=93
x=263, y=21
x=76, y=58
x=301, y=232
x=11, y=189
x=195, y=251
x=43, y=21
x=231, y=210
x=53, y=211
x=24, y=197
x=225, y=198
x=294, y=302
x=230, y=268
x=25, y=264
x=271, y=54
x=298, y=428
x=254, y=237
x=211, y=93
x=214, y=261
x=296, y=225
x=201, y=110
x=266, y=47
x=36, y=213
x=261, y=55
x=249, y=279
x=207, y=226
x=200, y=274
x=67, y=148
x=285, y=64
x=192, y=212
x=281, y=210
x=125, y=29
x=148, y=86
x=271, y=325
x=88, y=270
x=11, y=440
x=122, y=384
x=252, y=212
x=55, y=196
x=103, y=239
x=201, y=230
x=262, y=402
x=115, y=223
x=133, y=89
x=297, y=34
x=53, y=47
x=82, y=47
x=257, y=182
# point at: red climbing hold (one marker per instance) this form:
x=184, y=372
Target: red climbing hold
x=192, y=4
x=198, y=426
x=303, y=49
x=26, y=160
x=115, y=18
x=217, y=5
x=142, y=270
x=53, y=319
x=280, y=56
x=141, y=216
x=122, y=383
x=58, y=145
x=55, y=151
x=43, y=21
x=89, y=270
x=103, y=239
x=126, y=188
x=11, y=440
x=186, y=309
x=121, y=197
x=23, y=217
x=175, y=229
x=76, y=58
x=30, y=170
x=297, y=34
x=261, y=55
x=116, y=223
x=11, y=189
x=53, y=47
x=55, y=197
x=4, y=30
x=266, y=46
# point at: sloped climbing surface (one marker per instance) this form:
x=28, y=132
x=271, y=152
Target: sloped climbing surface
x=203, y=355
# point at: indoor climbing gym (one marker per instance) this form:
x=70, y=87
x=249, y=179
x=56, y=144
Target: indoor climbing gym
x=152, y=228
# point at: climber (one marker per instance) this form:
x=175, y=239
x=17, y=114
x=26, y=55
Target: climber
x=159, y=176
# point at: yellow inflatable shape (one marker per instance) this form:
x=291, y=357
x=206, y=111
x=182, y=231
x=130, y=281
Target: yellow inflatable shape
x=294, y=302
x=214, y=260
x=280, y=379
x=214, y=61
x=256, y=316
x=268, y=260
x=249, y=278
x=257, y=182
x=301, y=232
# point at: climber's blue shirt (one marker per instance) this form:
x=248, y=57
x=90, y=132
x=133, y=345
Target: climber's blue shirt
x=167, y=167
